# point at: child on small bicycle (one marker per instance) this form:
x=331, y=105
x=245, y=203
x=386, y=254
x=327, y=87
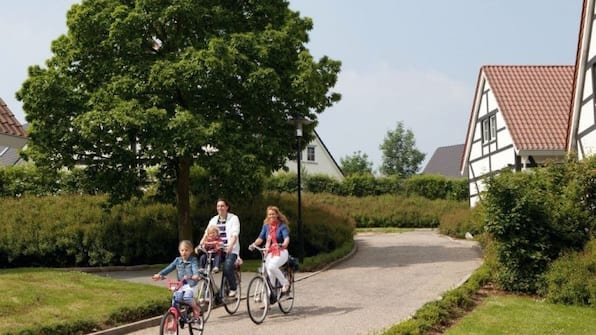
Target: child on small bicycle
x=187, y=269
x=276, y=233
x=212, y=242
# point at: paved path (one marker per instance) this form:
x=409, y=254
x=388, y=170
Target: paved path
x=385, y=281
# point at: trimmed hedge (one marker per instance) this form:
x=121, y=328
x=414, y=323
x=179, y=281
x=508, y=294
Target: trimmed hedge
x=363, y=185
x=392, y=210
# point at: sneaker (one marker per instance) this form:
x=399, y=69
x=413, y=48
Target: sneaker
x=215, y=269
x=285, y=288
x=232, y=294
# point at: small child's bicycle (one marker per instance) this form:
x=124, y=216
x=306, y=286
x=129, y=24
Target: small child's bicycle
x=262, y=292
x=180, y=314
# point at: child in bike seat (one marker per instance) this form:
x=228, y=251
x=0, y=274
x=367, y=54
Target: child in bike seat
x=187, y=268
x=212, y=242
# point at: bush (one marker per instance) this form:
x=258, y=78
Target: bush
x=535, y=217
x=571, y=279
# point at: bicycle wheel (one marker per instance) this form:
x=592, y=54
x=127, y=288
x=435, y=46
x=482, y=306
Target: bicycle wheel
x=286, y=300
x=231, y=304
x=205, y=298
x=197, y=327
x=168, y=324
x=257, y=299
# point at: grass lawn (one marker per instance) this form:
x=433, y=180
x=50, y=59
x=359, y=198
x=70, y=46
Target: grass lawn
x=509, y=314
x=46, y=301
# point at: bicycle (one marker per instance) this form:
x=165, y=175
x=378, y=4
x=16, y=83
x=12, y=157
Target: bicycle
x=209, y=293
x=180, y=314
x=261, y=292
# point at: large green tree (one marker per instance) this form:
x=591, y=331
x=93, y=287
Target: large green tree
x=400, y=156
x=140, y=83
x=356, y=163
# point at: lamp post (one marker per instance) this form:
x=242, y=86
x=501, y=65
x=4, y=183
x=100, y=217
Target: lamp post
x=299, y=123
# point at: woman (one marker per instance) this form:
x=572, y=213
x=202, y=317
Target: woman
x=229, y=230
x=277, y=234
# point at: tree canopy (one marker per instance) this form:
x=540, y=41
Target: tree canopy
x=400, y=156
x=134, y=84
x=356, y=163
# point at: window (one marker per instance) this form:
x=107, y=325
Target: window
x=485, y=131
x=493, y=127
x=489, y=129
x=310, y=153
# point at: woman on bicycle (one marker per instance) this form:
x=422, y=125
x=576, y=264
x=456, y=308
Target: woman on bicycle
x=229, y=230
x=276, y=233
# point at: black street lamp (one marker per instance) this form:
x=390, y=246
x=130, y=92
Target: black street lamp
x=299, y=123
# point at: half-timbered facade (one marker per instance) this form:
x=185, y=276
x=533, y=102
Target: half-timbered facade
x=518, y=121
x=581, y=136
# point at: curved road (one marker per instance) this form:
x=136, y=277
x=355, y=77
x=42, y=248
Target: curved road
x=388, y=278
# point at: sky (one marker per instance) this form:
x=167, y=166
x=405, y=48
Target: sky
x=415, y=62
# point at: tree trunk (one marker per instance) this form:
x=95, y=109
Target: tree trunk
x=183, y=199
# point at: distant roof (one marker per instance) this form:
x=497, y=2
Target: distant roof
x=9, y=125
x=535, y=101
x=445, y=161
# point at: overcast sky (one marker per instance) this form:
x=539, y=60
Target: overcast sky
x=410, y=61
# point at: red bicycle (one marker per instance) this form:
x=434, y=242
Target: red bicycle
x=180, y=314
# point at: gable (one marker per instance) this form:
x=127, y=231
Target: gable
x=316, y=159
x=518, y=120
x=581, y=132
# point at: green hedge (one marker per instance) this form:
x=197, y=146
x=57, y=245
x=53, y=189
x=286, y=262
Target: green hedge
x=362, y=185
x=392, y=210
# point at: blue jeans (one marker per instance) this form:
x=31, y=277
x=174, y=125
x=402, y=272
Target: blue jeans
x=228, y=270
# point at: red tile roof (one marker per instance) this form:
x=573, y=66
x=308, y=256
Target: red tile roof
x=535, y=101
x=9, y=124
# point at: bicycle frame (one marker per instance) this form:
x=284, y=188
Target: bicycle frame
x=262, y=292
x=210, y=286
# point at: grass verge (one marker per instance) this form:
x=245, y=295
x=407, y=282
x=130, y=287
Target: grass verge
x=510, y=314
x=47, y=301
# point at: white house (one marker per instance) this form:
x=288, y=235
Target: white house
x=316, y=159
x=12, y=136
x=518, y=120
x=581, y=135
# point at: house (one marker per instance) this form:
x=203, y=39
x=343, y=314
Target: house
x=316, y=159
x=445, y=162
x=12, y=136
x=581, y=133
x=518, y=120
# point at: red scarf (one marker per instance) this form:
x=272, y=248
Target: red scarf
x=273, y=246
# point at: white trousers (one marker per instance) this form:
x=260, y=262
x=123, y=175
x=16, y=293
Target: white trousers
x=273, y=263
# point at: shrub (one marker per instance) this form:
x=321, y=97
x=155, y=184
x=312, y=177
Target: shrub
x=571, y=279
x=535, y=217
